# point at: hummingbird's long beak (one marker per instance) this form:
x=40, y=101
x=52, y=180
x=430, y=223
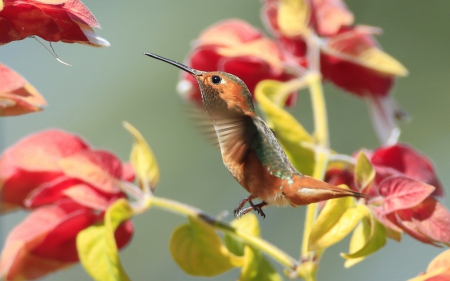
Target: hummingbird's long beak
x=177, y=64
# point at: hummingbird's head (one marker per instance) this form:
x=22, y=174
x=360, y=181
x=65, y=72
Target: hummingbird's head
x=219, y=90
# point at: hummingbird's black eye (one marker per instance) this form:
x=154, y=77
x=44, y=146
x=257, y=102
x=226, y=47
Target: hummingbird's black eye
x=216, y=80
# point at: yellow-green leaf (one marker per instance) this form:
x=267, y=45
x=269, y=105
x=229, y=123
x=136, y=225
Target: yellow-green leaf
x=394, y=235
x=307, y=270
x=255, y=265
x=271, y=96
x=257, y=268
x=143, y=159
x=97, y=247
x=380, y=61
x=249, y=224
x=293, y=17
x=368, y=237
x=364, y=171
x=335, y=221
x=199, y=251
x=359, y=238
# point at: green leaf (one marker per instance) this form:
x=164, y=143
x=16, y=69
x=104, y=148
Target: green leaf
x=249, y=224
x=271, y=96
x=143, y=159
x=293, y=17
x=307, y=270
x=199, y=251
x=97, y=247
x=335, y=221
x=394, y=235
x=364, y=172
x=368, y=237
x=257, y=268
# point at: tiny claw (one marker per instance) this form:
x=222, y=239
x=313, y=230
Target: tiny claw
x=258, y=208
x=238, y=212
x=243, y=212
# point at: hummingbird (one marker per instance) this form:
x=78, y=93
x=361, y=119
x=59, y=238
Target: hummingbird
x=250, y=150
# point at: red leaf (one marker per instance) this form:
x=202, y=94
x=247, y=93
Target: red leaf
x=128, y=173
x=229, y=32
x=33, y=161
x=19, y=261
x=124, y=233
x=42, y=151
x=442, y=261
x=354, y=78
x=401, y=192
x=409, y=227
x=410, y=162
x=17, y=96
x=432, y=219
x=80, y=13
x=330, y=16
x=17, y=185
x=388, y=220
x=50, y=192
x=60, y=242
x=46, y=240
x=64, y=187
x=99, y=168
x=70, y=22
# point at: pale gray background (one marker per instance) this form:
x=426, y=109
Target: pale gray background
x=106, y=86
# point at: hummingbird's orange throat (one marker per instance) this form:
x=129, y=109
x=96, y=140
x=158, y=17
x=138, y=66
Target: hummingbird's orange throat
x=177, y=64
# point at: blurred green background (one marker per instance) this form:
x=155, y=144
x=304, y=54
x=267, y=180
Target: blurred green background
x=106, y=86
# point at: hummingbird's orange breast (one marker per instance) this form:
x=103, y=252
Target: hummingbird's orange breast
x=258, y=180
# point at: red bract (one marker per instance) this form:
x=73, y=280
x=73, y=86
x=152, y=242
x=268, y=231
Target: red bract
x=402, y=194
x=236, y=47
x=325, y=17
x=68, y=21
x=46, y=240
x=438, y=269
x=405, y=160
x=57, y=160
x=17, y=96
x=350, y=57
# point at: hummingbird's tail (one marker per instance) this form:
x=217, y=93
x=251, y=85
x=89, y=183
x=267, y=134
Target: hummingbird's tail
x=307, y=190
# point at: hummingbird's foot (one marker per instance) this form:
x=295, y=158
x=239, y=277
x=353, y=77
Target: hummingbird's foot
x=238, y=212
x=257, y=208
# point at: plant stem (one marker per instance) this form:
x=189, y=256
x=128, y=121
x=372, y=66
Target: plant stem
x=319, y=110
x=313, y=80
x=183, y=209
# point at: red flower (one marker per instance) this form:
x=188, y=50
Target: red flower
x=68, y=186
x=350, y=57
x=46, y=240
x=236, y=47
x=59, y=162
x=17, y=96
x=438, y=269
x=405, y=160
x=68, y=21
x=402, y=196
x=325, y=17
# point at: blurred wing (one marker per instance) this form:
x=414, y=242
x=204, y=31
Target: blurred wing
x=203, y=123
x=233, y=133
x=236, y=134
